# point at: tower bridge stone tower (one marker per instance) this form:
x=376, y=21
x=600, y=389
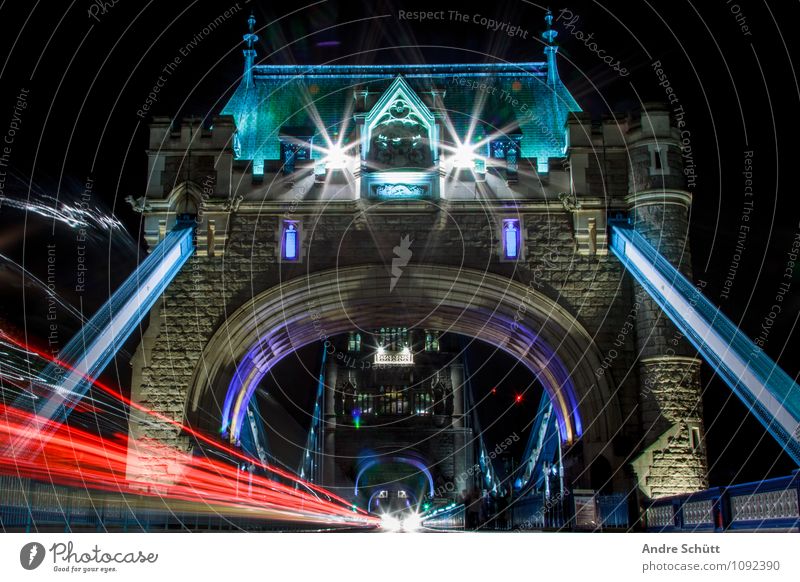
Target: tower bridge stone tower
x=465, y=198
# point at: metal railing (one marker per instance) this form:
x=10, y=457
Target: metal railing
x=608, y=512
x=773, y=504
x=447, y=518
x=536, y=513
x=770, y=394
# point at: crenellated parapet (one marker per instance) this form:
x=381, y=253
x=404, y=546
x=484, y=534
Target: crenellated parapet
x=190, y=171
x=620, y=164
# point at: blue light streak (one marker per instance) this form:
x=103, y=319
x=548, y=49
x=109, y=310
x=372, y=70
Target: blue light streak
x=92, y=348
x=769, y=393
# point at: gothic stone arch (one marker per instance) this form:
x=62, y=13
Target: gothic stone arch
x=515, y=318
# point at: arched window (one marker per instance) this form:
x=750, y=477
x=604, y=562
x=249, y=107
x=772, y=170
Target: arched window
x=422, y=402
x=291, y=241
x=511, y=239
x=431, y=341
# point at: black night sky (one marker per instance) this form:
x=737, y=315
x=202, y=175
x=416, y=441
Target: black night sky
x=85, y=71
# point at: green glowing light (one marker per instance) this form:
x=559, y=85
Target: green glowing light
x=275, y=100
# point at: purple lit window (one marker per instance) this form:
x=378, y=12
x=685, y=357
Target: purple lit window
x=511, y=240
x=290, y=241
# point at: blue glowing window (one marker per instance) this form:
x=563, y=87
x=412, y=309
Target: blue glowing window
x=290, y=242
x=511, y=238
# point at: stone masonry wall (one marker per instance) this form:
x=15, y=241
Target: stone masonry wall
x=209, y=289
x=678, y=464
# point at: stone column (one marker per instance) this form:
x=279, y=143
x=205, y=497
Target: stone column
x=457, y=381
x=672, y=459
x=328, y=477
x=463, y=462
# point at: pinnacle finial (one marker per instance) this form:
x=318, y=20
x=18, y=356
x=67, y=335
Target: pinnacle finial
x=250, y=37
x=549, y=34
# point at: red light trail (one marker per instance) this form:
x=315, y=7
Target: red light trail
x=70, y=456
x=74, y=457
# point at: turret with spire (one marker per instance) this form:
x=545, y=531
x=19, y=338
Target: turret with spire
x=550, y=49
x=249, y=53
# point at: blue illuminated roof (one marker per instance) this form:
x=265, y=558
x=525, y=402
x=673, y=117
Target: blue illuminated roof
x=516, y=99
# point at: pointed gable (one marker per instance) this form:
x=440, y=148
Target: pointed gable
x=400, y=116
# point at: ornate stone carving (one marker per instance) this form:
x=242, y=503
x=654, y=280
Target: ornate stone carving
x=394, y=359
x=232, y=204
x=138, y=204
x=570, y=201
x=401, y=190
x=401, y=139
